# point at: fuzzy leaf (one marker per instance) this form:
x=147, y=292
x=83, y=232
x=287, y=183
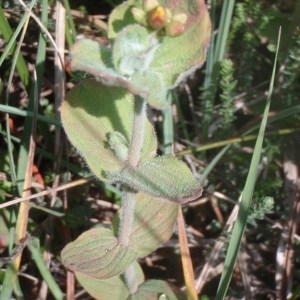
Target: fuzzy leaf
x=89, y=56
x=97, y=253
x=108, y=289
x=119, y=144
x=91, y=113
x=153, y=223
x=151, y=87
x=134, y=49
x=163, y=176
x=157, y=289
x=179, y=56
x=120, y=17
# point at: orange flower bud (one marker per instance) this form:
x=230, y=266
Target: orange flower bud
x=157, y=17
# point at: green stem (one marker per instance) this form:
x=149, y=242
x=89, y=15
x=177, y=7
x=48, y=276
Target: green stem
x=131, y=279
x=137, y=131
x=128, y=198
x=125, y=229
x=128, y=201
x=168, y=127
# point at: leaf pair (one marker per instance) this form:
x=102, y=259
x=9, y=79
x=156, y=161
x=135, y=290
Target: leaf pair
x=98, y=253
x=126, y=65
x=115, y=288
x=92, y=113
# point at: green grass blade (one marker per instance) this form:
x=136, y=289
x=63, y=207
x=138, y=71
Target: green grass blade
x=40, y=61
x=10, y=38
x=281, y=115
x=241, y=220
x=12, y=269
x=46, y=210
x=208, y=97
x=24, y=113
x=47, y=276
x=22, y=26
x=70, y=27
x=225, y=21
x=215, y=55
x=41, y=52
x=213, y=163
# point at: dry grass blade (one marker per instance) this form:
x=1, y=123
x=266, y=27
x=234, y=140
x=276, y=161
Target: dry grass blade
x=22, y=218
x=21, y=227
x=187, y=265
x=45, y=30
x=60, y=88
x=47, y=192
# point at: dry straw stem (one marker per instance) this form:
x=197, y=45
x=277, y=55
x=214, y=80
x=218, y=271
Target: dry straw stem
x=22, y=219
x=187, y=265
x=44, y=29
x=48, y=192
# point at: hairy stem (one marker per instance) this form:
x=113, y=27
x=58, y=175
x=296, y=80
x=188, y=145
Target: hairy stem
x=127, y=218
x=131, y=279
x=128, y=198
x=125, y=229
x=137, y=136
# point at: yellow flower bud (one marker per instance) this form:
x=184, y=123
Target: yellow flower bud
x=157, y=17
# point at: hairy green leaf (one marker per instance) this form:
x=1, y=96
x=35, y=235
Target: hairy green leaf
x=150, y=86
x=113, y=288
x=134, y=49
x=89, y=56
x=153, y=223
x=179, y=56
x=91, y=113
x=97, y=253
x=107, y=289
x=120, y=17
x=95, y=59
x=157, y=289
x=163, y=176
x=118, y=143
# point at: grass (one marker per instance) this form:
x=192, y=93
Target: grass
x=246, y=197
x=38, y=165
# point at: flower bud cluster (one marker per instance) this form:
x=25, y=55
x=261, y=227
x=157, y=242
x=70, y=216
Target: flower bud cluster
x=160, y=18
